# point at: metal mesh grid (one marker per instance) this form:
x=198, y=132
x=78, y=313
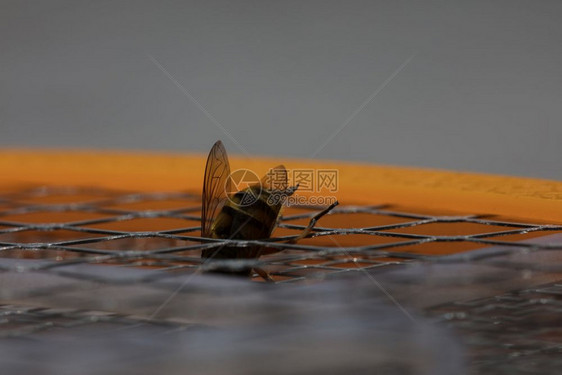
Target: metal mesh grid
x=161, y=231
x=55, y=231
x=24, y=321
x=513, y=333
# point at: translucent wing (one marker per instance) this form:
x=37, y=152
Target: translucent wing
x=215, y=185
x=276, y=179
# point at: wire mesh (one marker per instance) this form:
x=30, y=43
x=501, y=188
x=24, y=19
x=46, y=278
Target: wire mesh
x=162, y=231
x=511, y=333
x=67, y=231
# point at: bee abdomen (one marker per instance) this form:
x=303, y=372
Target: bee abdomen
x=250, y=223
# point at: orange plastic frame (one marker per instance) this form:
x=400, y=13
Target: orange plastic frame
x=358, y=183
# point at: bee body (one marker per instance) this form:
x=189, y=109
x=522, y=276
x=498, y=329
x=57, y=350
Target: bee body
x=243, y=222
x=257, y=218
x=248, y=214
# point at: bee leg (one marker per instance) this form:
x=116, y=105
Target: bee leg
x=312, y=222
x=264, y=275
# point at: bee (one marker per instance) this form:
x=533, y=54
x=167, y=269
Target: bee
x=249, y=214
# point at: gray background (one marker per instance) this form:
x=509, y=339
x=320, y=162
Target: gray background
x=468, y=85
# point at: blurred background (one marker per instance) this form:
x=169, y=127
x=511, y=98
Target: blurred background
x=466, y=85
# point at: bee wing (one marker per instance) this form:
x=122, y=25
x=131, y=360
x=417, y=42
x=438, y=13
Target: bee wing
x=276, y=179
x=215, y=185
